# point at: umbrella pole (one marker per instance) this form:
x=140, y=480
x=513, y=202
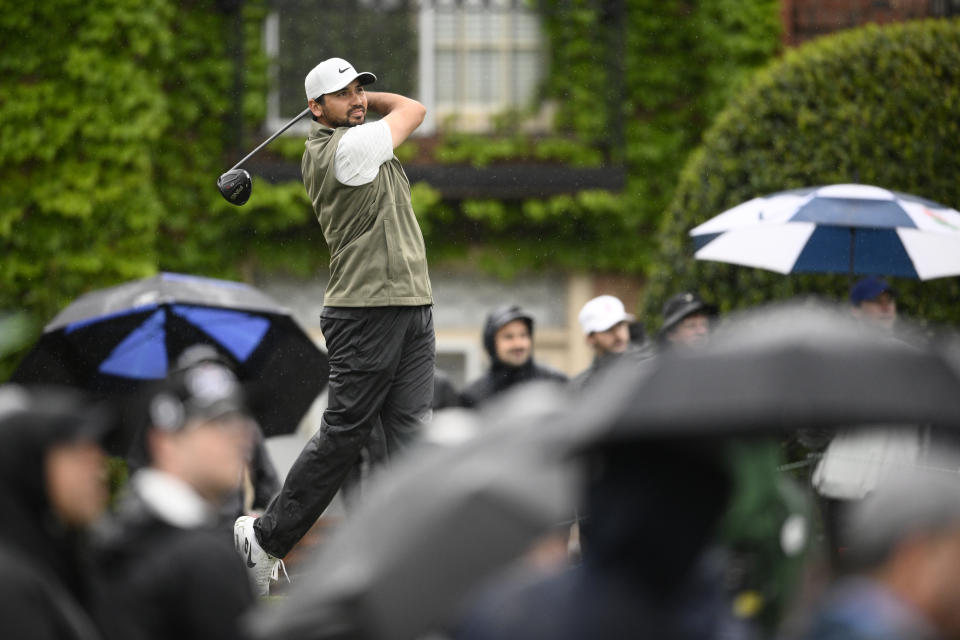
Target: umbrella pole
x=850, y=271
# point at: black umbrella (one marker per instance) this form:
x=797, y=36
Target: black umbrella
x=776, y=369
x=434, y=526
x=111, y=341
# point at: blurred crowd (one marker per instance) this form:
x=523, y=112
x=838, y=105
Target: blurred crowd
x=120, y=517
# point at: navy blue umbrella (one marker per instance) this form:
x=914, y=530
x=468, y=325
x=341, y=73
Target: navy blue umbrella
x=843, y=228
x=113, y=340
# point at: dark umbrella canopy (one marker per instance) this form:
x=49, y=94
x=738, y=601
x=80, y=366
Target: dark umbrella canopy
x=777, y=369
x=111, y=341
x=434, y=526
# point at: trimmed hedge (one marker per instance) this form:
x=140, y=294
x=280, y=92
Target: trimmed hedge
x=875, y=105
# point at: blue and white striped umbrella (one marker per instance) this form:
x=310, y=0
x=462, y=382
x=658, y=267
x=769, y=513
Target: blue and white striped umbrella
x=842, y=228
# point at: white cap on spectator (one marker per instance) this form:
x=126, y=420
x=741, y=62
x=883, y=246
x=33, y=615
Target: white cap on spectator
x=601, y=313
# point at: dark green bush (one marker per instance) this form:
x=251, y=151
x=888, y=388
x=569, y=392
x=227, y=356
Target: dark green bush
x=875, y=105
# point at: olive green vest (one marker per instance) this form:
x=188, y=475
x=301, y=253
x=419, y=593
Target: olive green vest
x=377, y=256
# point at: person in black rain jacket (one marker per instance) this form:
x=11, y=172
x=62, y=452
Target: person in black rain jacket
x=508, y=339
x=164, y=561
x=52, y=488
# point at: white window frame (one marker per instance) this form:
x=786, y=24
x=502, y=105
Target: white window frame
x=470, y=116
x=475, y=116
x=271, y=45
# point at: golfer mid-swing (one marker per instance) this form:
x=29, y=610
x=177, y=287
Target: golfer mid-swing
x=377, y=317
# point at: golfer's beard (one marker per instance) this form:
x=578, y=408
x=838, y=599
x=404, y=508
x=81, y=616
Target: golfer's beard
x=347, y=123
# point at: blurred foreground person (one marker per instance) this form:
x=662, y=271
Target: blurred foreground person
x=508, y=339
x=686, y=321
x=163, y=560
x=52, y=487
x=649, y=569
x=260, y=471
x=904, y=556
x=851, y=461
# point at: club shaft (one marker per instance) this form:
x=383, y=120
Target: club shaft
x=271, y=138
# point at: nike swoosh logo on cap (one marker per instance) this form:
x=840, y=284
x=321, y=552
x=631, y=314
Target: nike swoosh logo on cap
x=342, y=70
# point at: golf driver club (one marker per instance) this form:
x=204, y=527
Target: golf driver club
x=235, y=185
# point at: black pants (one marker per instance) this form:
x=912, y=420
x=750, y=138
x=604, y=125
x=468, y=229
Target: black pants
x=380, y=394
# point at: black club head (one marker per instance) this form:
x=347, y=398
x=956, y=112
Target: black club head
x=235, y=185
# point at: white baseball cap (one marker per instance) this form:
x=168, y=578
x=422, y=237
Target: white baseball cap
x=332, y=75
x=601, y=313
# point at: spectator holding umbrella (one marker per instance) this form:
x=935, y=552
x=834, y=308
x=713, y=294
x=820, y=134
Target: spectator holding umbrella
x=163, y=559
x=840, y=476
x=874, y=301
x=52, y=487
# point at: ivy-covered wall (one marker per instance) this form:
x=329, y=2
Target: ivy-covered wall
x=874, y=105
x=117, y=116
x=635, y=82
x=83, y=104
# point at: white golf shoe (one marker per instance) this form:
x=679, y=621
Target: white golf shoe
x=262, y=566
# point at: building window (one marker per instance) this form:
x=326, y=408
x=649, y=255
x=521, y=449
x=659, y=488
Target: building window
x=374, y=35
x=479, y=58
x=945, y=8
x=466, y=60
